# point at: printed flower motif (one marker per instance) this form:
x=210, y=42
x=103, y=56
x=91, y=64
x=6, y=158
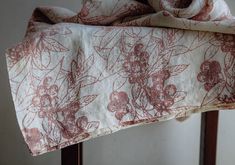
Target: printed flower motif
x=46, y=96
x=136, y=64
x=119, y=104
x=39, y=45
x=69, y=124
x=227, y=98
x=161, y=97
x=33, y=138
x=210, y=74
x=73, y=126
x=20, y=50
x=160, y=77
x=227, y=42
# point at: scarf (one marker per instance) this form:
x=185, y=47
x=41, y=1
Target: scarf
x=117, y=64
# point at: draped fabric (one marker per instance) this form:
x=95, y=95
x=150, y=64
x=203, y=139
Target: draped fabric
x=117, y=64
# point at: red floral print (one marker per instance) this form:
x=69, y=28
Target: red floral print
x=69, y=125
x=119, y=104
x=210, y=74
x=21, y=50
x=33, y=138
x=227, y=42
x=73, y=126
x=136, y=64
x=161, y=96
x=89, y=14
x=227, y=99
x=45, y=43
x=46, y=97
x=62, y=71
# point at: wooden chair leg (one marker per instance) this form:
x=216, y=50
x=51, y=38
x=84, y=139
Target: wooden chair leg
x=72, y=155
x=209, y=131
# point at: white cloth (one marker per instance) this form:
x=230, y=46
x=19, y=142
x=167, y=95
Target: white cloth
x=73, y=79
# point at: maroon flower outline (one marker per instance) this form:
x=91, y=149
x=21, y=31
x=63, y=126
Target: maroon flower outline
x=210, y=74
x=119, y=104
x=161, y=96
x=136, y=64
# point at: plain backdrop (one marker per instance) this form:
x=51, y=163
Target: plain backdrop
x=166, y=143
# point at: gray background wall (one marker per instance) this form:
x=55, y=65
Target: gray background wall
x=165, y=143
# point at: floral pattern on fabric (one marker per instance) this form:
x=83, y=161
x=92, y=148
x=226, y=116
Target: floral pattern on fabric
x=210, y=74
x=71, y=81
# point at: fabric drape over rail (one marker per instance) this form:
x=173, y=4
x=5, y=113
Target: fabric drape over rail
x=117, y=64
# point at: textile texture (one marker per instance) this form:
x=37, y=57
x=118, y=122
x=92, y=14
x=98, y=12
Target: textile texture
x=117, y=64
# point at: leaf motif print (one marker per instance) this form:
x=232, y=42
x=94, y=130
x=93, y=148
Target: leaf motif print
x=58, y=30
x=45, y=42
x=113, y=58
x=54, y=72
x=75, y=71
x=231, y=83
x=213, y=94
x=179, y=95
x=143, y=100
x=88, y=63
x=72, y=106
x=162, y=62
x=18, y=68
x=88, y=80
x=92, y=126
x=178, y=50
x=103, y=52
x=118, y=83
x=211, y=52
x=85, y=100
x=20, y=91
x=28, y=119
x=50, y=44
x=63, y=92
x=169, y=36
x=135, y=91
x=229, y=61
x=56, y=135
x=43, y=61
x=176, y=69
x=47, y=125
x=201, y=36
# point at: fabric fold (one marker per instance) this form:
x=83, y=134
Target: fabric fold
x=118, y=64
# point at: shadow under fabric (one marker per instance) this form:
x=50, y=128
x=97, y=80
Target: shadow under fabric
x=118, y=64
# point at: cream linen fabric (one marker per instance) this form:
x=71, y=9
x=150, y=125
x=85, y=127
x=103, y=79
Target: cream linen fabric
x=117, y=64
